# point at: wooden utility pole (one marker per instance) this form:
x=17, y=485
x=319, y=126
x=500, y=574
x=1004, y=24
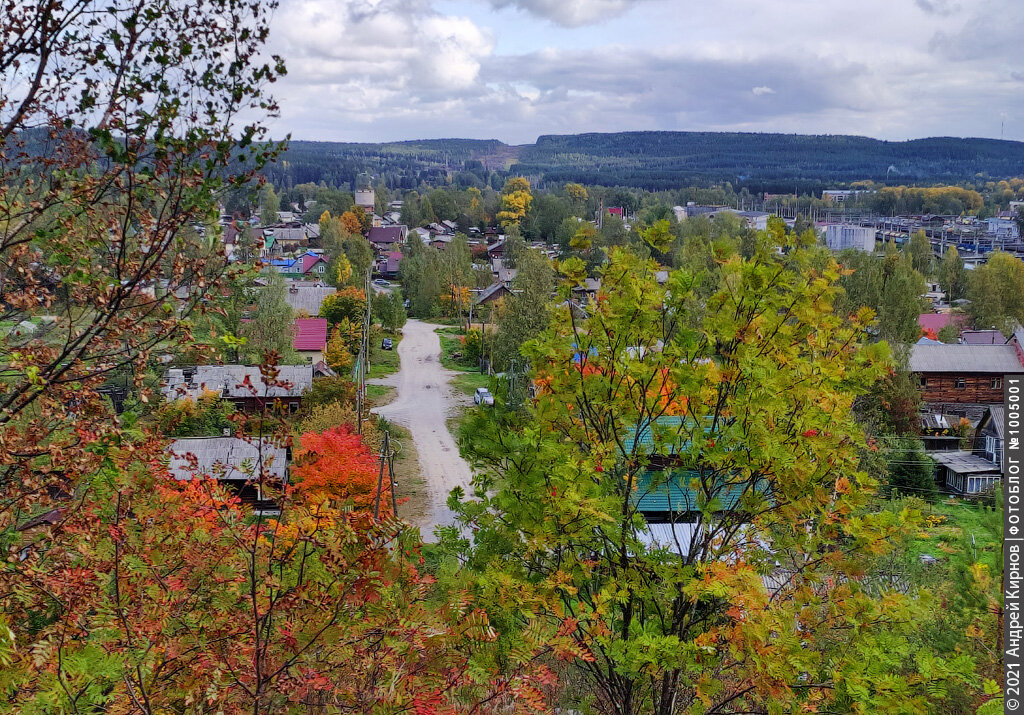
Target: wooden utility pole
x=386, y=463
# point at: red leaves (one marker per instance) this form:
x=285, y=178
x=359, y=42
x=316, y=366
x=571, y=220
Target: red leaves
x=811, y=433
x=336, y=465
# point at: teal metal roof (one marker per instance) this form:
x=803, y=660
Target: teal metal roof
x=666, y=428
x=681, y=492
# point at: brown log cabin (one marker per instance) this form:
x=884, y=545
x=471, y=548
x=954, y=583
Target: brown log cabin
x=962, y=379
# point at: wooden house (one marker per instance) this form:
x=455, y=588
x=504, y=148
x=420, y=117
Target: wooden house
x=242, y=385
x=979, y=471
x=963, y=379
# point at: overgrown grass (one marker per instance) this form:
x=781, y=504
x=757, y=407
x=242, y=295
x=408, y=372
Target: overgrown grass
x=949, y=522
x=411, y=486
x=467, y=382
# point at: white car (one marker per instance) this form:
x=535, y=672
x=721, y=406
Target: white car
x=483, y=396
x=382, y=282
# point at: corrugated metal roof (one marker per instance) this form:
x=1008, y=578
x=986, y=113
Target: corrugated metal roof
x=307, y=298
x=227, y=458
x=994, y=359
x=678, y=492
x=998, y=419
x=964, y=462
x=678, y=538
x=310, y=334
x=235, y=381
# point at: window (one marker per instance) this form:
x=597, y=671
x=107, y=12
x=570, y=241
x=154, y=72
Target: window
x=997, y=383
x=922, y=381
x=959, y=383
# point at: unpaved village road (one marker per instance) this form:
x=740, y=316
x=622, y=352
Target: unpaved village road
x=423, y=404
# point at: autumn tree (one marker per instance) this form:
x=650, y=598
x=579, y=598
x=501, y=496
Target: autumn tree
x=347, y=304
x=727, y=419
x=577, y=196
x=107, y=160
x=515, y=201
x=336, y=466
x=336, y=353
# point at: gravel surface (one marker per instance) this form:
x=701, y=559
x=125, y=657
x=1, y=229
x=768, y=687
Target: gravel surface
x=423, y=404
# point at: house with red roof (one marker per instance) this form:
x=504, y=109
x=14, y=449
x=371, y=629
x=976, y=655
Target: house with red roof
x=310, y=265
x=932, y=323
x=310, y=339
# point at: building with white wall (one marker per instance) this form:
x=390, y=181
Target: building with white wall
x=840, y=236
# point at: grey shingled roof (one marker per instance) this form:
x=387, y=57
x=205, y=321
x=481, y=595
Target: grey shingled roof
x=227, y=458
x=231, y=381
x=995, y=359
x=307, y=298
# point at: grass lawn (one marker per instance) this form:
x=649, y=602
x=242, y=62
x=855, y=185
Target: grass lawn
x=467, y=382
x=379, y=394
x=384, y=362
x=450, y=344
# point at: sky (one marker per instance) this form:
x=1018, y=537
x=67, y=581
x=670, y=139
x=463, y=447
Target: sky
x=387, y=70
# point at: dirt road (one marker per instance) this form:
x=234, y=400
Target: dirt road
x=423, y=405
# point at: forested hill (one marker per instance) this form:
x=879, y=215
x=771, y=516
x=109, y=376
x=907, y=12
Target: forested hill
x=769, y=161
x=657, y=160
x=399, y=164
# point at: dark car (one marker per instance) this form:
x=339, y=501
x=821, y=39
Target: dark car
x=386, y=344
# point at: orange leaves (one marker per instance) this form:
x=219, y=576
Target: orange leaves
x=335, y=465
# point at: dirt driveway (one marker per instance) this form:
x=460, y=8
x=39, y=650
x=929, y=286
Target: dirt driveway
x=423, y=404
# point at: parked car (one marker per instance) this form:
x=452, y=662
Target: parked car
x=386, y=344
x=382, y=282
x=483, y=396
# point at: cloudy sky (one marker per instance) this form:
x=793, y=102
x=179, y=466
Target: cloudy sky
x=381, y=70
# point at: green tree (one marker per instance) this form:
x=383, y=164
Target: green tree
x=389, y=310
x=269, y=327
x=270, y=204
x=736, y=410
x=889, y=286
x=911, y=470
x=525, y=312
x=996, y=291
x=921, y=256
x=949, y=334
x=952, y=275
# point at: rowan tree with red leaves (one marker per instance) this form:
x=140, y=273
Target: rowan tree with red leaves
x=335, y=465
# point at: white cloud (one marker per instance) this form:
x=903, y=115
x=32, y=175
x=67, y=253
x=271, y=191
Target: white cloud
x=370, y=70
x=571, y=13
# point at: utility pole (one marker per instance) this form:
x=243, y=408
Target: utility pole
x=387, y=463
x=363, y=359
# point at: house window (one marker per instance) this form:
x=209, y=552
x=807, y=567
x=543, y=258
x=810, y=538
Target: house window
x=997, y=383
x=320, y=268
x=959, y=383
x=922, y=381
x=293, y=407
